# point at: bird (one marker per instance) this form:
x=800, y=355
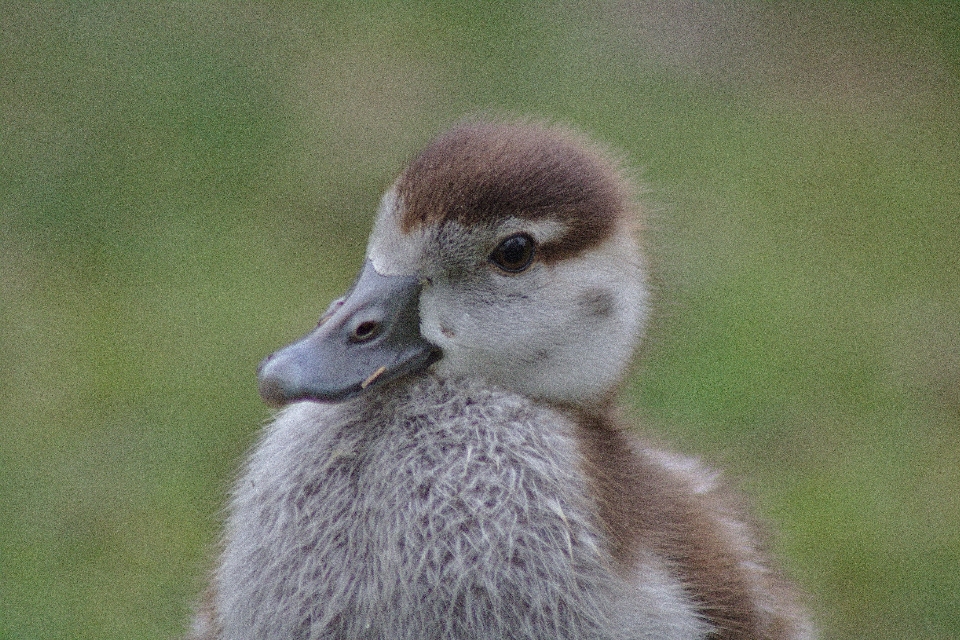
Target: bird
x=448, y=459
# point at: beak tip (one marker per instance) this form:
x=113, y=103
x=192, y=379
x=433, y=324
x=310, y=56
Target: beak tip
x=282, y=380
x=272, y=392
x=263, y=363
x=274, y=381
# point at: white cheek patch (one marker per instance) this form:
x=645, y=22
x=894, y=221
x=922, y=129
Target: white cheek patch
x=393, y=252
x=597, y=302
x=568, y=337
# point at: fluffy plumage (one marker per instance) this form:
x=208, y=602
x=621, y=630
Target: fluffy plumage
x=494, y=493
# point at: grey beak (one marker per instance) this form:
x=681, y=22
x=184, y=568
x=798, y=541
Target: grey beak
x=368, y=337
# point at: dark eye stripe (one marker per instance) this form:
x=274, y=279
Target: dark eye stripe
x=514, y=254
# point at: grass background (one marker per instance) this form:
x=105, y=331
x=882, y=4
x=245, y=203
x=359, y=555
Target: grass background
x=184, y=187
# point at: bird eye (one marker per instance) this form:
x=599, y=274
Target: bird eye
x=514, y=254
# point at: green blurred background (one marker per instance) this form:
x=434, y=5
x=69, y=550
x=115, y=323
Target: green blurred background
x=184, y=187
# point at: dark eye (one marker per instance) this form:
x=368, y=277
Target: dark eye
x=514, y=254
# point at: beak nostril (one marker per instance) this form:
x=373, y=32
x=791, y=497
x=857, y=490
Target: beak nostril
x=366, y=330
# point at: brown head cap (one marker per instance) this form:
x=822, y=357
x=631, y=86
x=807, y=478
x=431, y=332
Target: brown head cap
x=480, y=173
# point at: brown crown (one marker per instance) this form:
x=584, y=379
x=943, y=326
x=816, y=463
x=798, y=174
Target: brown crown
x=479, y=173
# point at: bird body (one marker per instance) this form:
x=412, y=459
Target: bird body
x=449, y=462
x=438, y=509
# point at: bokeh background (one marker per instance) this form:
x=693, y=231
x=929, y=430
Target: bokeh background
x=184, y=186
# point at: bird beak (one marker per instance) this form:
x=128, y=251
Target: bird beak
x=368, y=337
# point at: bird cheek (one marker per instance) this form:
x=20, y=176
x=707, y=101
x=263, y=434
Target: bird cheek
x=434, y=325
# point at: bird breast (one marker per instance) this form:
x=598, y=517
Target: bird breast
x=428, y=505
